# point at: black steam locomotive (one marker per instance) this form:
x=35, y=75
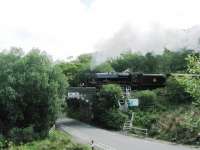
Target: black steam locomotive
x=137, y=81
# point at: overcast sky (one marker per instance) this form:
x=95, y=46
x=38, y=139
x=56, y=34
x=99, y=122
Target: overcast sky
x=71, y=27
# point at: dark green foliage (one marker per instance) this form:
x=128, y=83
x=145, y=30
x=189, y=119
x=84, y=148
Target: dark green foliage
x=104, y=67
x=132, y=61
x=31, y=88
x=22, y=135
x=76, y=70
x=145, y=119
x=192, y=84
x=109, y=96
x=167, y=62
x=105, y=108
x=147, y=99
x=3, y=143
x=113, y=119
x=175, y=92
x=150, y=63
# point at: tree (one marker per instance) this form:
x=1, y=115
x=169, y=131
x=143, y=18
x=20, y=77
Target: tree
x=105, y=108
x=175, y=92
x=109, y=96
x=31, y=88
x=104, y=67
x=75, y=70
x=173, y=61
x=192, y=83
x=167, y=62
x=132, y=61
x=150, y=63
x=147, y=98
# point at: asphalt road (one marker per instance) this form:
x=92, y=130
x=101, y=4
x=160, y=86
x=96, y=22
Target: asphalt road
x=113, y=140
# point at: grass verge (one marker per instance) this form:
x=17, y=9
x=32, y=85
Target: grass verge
x=56, y=140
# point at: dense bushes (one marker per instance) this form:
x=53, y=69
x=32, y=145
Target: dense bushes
x=180, y=125
x=22, y=135
x=109, y=96
x=31, y=87
x=105, y=109
x=113, y=119
x=173, y=118
x=178, y=122
x=191, y=83
x=2, y=142
x=145, y=119
x=147, y=98
x=175, y=92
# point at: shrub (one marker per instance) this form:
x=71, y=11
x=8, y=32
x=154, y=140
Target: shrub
x=109, y=96
x=18, y=135
x=192, y=83
x=175, y=92
x=55, y=141
x=107, y=99
x=3, y=143
x=105, y=108
x=181, y=125
x=146, y=98
x=113, y=119
x=145, y=119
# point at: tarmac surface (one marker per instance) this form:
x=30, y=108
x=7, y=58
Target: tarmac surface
x=109, y=140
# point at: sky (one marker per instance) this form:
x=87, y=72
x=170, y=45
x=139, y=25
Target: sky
x=66, y=28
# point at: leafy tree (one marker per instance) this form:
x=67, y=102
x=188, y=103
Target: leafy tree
x=109, y=96
x=173, y=61
x=113, y=119
x=104, y=67
x=167, y=62
x=75, y=70
x=31, y=88
x=150, y=63
x=146, y=98
x=192, y=83
x=175, y=92
x=132, y=61
x=105, y=108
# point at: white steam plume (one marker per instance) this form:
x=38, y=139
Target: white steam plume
x=154, y=39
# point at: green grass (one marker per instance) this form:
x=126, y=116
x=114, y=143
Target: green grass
x=57, y=140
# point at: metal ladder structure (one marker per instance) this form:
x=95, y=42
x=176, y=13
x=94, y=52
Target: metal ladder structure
x=128, y=124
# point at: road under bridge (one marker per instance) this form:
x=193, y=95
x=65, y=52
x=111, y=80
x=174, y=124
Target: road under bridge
x=110, y=140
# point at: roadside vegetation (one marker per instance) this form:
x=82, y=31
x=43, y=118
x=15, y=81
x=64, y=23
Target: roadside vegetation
x=106, y=112
x=56, y=140
x=175, y=114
